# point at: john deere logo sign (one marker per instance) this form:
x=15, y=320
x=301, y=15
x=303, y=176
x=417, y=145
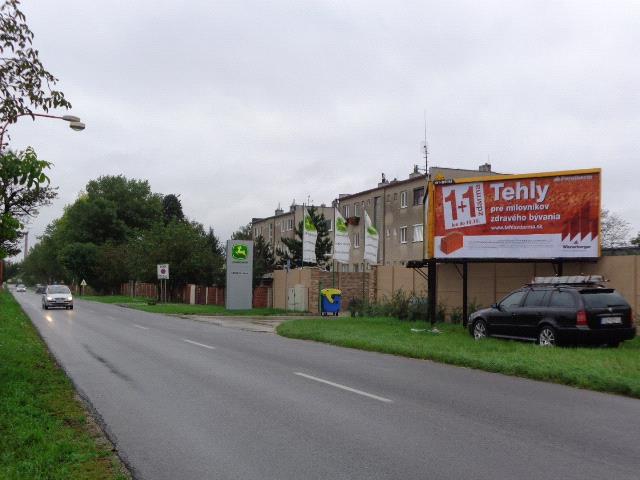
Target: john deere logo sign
x=240, y=252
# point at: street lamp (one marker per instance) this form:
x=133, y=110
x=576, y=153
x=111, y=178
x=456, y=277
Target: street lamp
x=74, y=123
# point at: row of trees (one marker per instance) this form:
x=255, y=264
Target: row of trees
x=118, y=230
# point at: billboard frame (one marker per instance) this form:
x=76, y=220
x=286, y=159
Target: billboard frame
x=430, y=220
x=430, y=261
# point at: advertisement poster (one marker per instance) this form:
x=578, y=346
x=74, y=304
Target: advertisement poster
x=536, y=216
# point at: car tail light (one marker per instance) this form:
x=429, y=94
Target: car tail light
x=581, y=318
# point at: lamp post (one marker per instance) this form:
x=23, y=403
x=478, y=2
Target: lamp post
x=74, y=123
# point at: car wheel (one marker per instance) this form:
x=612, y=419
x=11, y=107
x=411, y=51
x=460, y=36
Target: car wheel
x=547, y=337
x=479, y=329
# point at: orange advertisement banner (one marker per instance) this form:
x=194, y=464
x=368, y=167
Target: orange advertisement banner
x=547, y=215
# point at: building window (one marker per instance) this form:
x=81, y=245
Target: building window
x=356, y=210
x=388, y=232
x=395, y=196
x=291, y=224
x=329, y=225
x=345, y=267
x=346, y=211
x=355, y=267
x=368, y=202
x=356, y=240
x=403, y=199
x=418, y=233
x=403, y=234
x=270, y=231
x=418, y=195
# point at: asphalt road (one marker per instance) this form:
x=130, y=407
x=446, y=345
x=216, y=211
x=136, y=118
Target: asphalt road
x=189, y=400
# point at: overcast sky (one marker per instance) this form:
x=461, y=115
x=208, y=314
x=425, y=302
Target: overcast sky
x=240, y=105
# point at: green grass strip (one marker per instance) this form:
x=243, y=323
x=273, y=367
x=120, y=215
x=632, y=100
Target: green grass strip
x=140, y=303
x=44, y=433
x=614, y=370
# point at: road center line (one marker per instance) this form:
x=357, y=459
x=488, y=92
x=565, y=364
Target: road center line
x=140, y=326
x=199, y=344
x=343, y=387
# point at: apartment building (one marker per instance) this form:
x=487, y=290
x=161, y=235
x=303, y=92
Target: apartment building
x=396, y=208
x=282, y=224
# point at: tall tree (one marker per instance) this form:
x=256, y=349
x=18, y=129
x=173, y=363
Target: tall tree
x=217, y=274
x=135, y=204
x=293, y=246
x=24, y=188
x=243, y=233
x=614, y=229
x=25, y=85
x=263, y=259
x=172, y=208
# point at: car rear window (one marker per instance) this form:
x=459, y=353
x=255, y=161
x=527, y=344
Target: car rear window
x=603, y=299
x=59, y=289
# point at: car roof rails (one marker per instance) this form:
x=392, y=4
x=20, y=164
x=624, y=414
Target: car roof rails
x=574, y=280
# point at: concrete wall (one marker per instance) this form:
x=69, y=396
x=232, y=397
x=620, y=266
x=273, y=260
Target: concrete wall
x=314, y=279
x=488, y=282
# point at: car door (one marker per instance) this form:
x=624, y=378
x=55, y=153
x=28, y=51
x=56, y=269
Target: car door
x=500, y=321
x=525, y=324
x=563, y=308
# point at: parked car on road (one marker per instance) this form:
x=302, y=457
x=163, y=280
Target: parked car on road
x=21, y=288
x=57, y=296
x=558, y=311
x=40, y=288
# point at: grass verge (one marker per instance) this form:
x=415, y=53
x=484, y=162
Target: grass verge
x=140, y=303
x=602, y=369
x=44, y=430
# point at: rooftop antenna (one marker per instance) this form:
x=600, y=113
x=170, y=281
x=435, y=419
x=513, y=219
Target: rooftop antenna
x=424, y=147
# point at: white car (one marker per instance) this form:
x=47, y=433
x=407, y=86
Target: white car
x=21, y=288
x=57, y=296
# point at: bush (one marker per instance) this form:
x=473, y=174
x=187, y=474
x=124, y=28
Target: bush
x=456, y=315
x=152, y=301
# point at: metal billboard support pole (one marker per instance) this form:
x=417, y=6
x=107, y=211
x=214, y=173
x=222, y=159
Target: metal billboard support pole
x=432, y=276
x=465, y=305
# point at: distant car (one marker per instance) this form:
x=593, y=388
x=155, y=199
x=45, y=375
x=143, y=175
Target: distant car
x=21, y=288
x=57, y=296
x=558, y=311
x=40, y=288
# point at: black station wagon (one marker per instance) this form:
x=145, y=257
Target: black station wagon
x=558, y=311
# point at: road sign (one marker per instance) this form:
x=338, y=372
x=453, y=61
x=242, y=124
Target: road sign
x=83, y=283
x=163, y=271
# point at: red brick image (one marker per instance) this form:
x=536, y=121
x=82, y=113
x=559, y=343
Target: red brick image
x=452, y=242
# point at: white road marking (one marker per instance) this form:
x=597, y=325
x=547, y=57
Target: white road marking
x=343, y=387
x=140, y=326
x=199, y=344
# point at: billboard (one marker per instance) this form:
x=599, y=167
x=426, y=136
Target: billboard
x=532, y=216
